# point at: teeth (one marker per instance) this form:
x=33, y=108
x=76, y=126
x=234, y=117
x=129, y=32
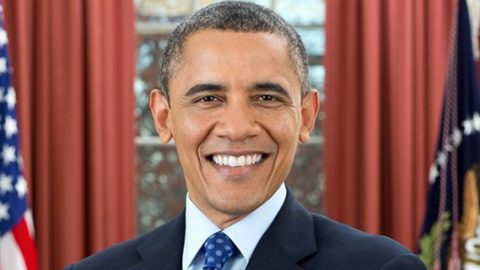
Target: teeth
x=236, y=161
x=232, y=161
x=241, y=161
x=249, y=160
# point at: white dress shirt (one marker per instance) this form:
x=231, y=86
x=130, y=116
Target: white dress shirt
x=245, y=234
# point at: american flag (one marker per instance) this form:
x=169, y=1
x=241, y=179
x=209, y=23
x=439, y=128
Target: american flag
x=17, y=249
x=452, y=216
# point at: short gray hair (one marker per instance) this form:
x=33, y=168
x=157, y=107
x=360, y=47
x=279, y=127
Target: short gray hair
x=235, y=16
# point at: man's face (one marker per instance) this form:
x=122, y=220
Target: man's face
x=236, y=115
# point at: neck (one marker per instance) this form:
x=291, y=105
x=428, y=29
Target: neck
x=223, y=220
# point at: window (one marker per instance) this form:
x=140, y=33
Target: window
x=161, y=188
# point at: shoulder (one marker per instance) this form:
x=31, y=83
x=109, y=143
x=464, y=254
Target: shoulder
x=114, y=257
x=338, y=235
x=125, y=254
x=348, y=248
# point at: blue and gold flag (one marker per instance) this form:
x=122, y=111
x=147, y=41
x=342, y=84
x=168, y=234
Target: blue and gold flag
x=451, y=217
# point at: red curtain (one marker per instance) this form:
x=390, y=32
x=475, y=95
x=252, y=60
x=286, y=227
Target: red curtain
x=74, y=68
x=386, y=62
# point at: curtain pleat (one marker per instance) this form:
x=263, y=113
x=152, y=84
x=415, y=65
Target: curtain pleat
x=74, y=68
x=386, y=62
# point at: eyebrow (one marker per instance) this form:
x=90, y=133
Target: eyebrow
x=268, y=86
x=212, y=87
x=204, y=87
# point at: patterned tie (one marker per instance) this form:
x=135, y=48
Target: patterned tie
x=218, y=249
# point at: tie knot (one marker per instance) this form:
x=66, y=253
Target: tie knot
x=218, y=249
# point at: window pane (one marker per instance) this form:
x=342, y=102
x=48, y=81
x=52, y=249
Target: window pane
x=149, y=55
x=306, y=12
x=314, y=40
x=161, y=188
x=266, y=3
x=317, y=78
x=163, y=11
x=306, y=177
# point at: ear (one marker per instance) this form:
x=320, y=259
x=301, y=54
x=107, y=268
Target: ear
x=310, y=106
x=160, y=111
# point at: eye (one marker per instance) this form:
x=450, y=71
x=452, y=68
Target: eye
x=266, y=98
x=268, y=101
x=207, y=99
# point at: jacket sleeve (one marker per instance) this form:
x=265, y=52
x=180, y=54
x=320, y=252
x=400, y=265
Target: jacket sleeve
x=404, y=261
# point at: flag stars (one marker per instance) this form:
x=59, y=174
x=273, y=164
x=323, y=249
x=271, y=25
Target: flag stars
x=21, y=187
x=476, y=121
x=3, y=65
x=8, y=154
x=433, y=173
x=10, y=127
x=11, y=98
x=467, y=126
x=5, y=184
x=457, y=137
x=20, y=162
x=471, y=125
x=442, y=159
x=3, y=38
x=4, y=211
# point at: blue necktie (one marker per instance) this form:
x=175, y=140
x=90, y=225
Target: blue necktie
x=218, y=249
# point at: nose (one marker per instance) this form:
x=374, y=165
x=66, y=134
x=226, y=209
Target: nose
x=238, y=122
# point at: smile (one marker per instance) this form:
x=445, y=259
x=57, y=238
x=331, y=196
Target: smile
x=236, y=161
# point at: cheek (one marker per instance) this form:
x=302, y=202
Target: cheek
x=191, y=128
x=189, y=132
x=283, y=126
x=285, y=133
x=185, y=136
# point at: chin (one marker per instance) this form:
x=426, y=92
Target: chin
x=237, y=206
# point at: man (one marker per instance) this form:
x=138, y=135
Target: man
x=235, y=98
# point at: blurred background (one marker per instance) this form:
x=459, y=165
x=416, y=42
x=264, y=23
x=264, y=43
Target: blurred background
x=97, y=174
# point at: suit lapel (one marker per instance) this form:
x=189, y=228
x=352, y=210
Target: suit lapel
x=288, y=240
x=163, y=249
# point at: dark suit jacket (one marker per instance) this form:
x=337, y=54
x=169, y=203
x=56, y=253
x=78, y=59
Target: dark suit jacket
x=295, y=240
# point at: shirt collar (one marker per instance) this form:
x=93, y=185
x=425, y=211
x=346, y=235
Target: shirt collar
x=198, y=227
x=247, y=232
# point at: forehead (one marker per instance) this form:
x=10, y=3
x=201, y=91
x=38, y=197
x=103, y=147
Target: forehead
x=235, y=42
x=249, y=38
x=248, y=54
